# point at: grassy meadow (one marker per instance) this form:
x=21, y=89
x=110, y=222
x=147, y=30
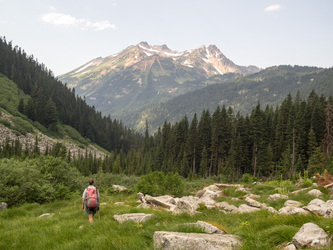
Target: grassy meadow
x=69, y=227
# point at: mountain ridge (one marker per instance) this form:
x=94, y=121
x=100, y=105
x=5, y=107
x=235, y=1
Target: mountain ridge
x=142, y=75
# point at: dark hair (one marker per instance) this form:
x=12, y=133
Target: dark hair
x=91, y=181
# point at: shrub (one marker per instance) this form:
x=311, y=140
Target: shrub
x=157, y=183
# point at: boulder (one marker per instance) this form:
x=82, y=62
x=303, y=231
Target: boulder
x=194, y=241
x=320, y=207
x=311, y=235
x=213, y=188
x=3, y=206
x=165, y=201
x=206, y=227
x=293, y=210
x=207, y=193
x=252, y=196
x=242, y=189
x=186, y=204
x=136, y=217
x=275, y=197
x=119, y=188
x=247, y=209
x=225, y=206
x=253, y=203
x=315, y=192
x=206, y=200
x=291, y=203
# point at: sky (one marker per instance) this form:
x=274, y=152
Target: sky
x=64, y=35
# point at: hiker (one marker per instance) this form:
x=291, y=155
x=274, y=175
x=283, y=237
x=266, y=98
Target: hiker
x=90, y=200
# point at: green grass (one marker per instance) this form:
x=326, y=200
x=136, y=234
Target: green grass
x=69, y=227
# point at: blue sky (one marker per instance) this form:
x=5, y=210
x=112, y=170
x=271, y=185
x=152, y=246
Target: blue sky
x=66, y=34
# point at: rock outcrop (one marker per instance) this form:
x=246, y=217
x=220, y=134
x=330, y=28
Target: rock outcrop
x=136, y=217
x=195, y=241
x=311, y=235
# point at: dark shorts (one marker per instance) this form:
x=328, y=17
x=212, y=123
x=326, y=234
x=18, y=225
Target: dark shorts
x=90, y=211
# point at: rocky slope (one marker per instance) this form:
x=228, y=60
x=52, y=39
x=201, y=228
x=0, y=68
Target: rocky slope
x=142, y=76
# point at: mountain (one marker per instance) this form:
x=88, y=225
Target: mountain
x=143, y=76
x=269, y=87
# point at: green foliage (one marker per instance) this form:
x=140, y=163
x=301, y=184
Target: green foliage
x=42, y=179
x=157, y=183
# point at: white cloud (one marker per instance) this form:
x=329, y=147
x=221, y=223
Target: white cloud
x=60, y=19
x=274, y=7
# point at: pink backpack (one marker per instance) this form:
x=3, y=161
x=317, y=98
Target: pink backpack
x=92, y=198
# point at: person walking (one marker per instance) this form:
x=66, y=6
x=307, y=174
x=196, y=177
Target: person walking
x=90, y=200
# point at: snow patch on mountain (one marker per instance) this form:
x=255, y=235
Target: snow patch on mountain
x=84, y=67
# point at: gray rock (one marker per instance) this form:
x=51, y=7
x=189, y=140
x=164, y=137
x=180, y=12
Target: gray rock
x=213, y=188
x=320, y=207
x=291, y=203
x=253, y=203
x=247, y=209
x=206, y=200
x=293, y=210
x=194, y=241
x=311, y=235
x=206, y=227
x=119, y=187
x=226, y=207
x=163, y=201
x=275, y=197
x=3, y=206
x=315, y=193
x=136, y=217
x=186, y=204
x=252, y=196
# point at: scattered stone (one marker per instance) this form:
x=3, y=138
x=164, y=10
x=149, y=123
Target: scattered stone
x=293, y=210
x=81, y=227
x=136, y=217
x=206, y=227
x=252, y=196
x=291, y=203
x=253, y=203
x=320, y=207
x=195, y=241
x=311, y=235
x=3, y=206
x=271, y=210
x=213, y=188
x=186, y=204
x=242, y=189
x=206, y=200
x=119, y=188
x=275, y=197
x=119, y=203
x=165, y=201
x=227, y=185
x=315, y=192
x=247, y=209
x=226, y=207
x=46, y=215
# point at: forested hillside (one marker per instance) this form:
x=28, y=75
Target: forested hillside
x=269, y=86
x=52, y=102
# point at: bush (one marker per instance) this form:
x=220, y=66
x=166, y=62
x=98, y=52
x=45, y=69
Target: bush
x=40, y=180
x=157, y=183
